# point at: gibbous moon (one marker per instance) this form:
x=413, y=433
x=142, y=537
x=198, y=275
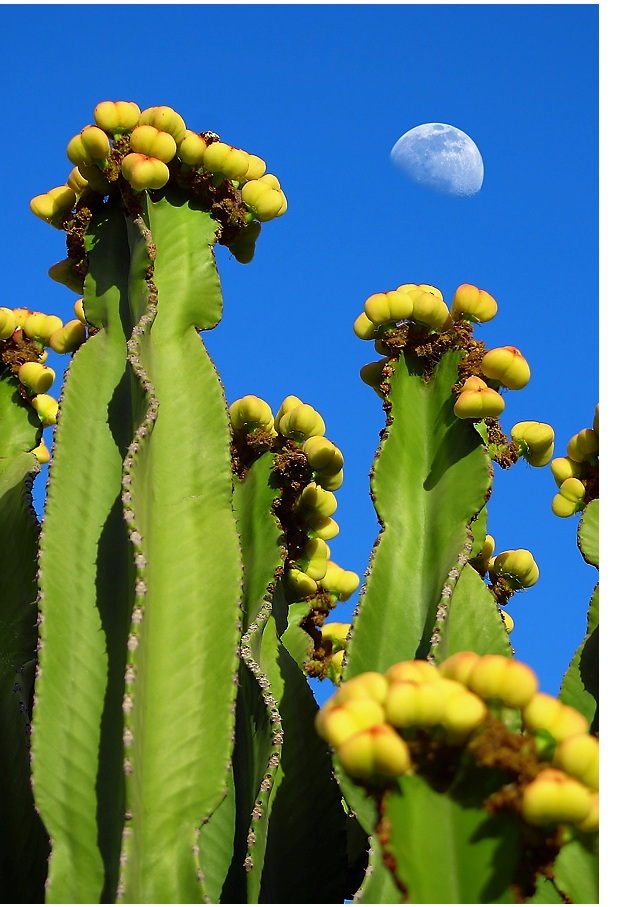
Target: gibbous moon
x=440, y=157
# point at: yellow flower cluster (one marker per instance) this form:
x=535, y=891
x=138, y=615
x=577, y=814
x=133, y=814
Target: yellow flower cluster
x=24, y=338
x=315, y=504
x=377, y=722
x=576, y=473
x=148, y=148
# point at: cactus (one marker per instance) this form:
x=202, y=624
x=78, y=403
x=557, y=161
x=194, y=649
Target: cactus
x=160, y=741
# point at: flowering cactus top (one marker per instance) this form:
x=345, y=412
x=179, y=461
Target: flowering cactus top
x=127, y=152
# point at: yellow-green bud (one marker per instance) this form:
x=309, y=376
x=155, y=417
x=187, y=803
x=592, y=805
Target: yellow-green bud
x=583, y=446
x=46, y=408
x=39, y=326
x=64, y=272
x=191, y=149
x=314, y=500
x=7, y=323
x=39, y=378
x=337, y=633
x=219, y=157
x=339, y=582
x=590, y=824
x=315, y=557
x=335, y=666
x=499, y=677
x=364, y=328
x=42, y=453
x=476, y=401
x=459, y=666
x=322, y=455
x=506, y=365
x=418, y=671
x=290, y=403
x=116, y=117
x=554, y=797
x=564, y=468
x=472, y=304
x=56, y=202
x=382, y=308
x=544, y=712
x=368, y=685
x=509, y=623
x=153, y=143
x=338, y=723
x=78, y=308
x=68, y=338
x=77, y=182
x=89, y=146
x=331, y=483
x=250, y=412
x=431, y=311
x=266, y=202
x=166, y=120
x=257, y=169
x=301, y=423
x=570, y=498
x=323, y=527
x=409, y=703
x=143, y=172
x=517, y=567
x=299, y=584
x=579, y=756
x=463, y=713
x=376, y=751
x=480, y=562
x=536, y=440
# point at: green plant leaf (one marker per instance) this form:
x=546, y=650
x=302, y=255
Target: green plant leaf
x=588, y=533
x=86, y=588
x=576, y=870
x=186, y=619
x=430, y=479
x=23, y=841
x=448, y=850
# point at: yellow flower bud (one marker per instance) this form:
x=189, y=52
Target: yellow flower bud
x=77, y=182
x=578, y=756
x=290, y=403
x=364, y=328
x=544, y=712
x=337, y=724
x=323, y=527
x=7, y=323
x=583, y=446
x=64, y=272
x=369, y=685
x=143, y=172
x=91, y=145
x=37, y=377
x=266, y=202
x=536, y=440
x=153, y=143
x=42, y=453
x=191, y=149
x=418, y=671
x=331, y=483
x=166, y=119
x=78, y=308
x=251, y=412
x=472, y=304
x=54, y=203
x=590, y=823
x=299, y=585
x=322, y=455
x=459, y=666
x=498, y=677
x=376, y=751
x=339, y=582
x=476, y=401
x=564, y=468
x=257, y=169
x=46, y=408
x=481, y=561
x=337, y=633
x=506, y=365
x=431, y=310
x=517, y=567
x=509, y=623
x=116, y=117
x=315, y=500
x=68, y=338
x=39, y=326
x=301, y=423
x=554, y=797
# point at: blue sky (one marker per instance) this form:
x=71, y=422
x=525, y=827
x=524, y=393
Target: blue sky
x=322, y=93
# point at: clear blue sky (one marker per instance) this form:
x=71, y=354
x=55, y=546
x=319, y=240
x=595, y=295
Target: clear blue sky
x=322, y=93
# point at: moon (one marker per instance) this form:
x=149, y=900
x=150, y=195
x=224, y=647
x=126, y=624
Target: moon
x=440, y=157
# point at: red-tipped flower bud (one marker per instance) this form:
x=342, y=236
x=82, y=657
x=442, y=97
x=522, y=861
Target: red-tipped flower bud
x=506, y=365
x=472, y=304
